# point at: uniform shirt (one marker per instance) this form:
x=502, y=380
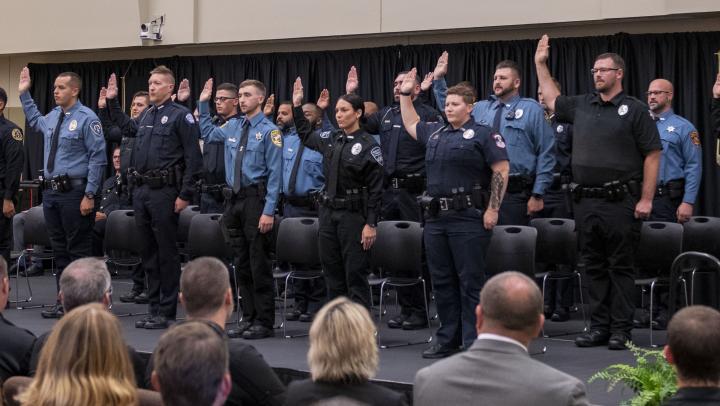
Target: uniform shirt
x=113, y=197
x=681, y=153
x=529, y=138
x=81, y=144
x=360, y=161
x=310, y=171
x=167, y=136
x=459, y=158
x=16, y=346
x=214, y=158
x=262, y=161
x=563, y=145
x=12, y=157
x=123, y=127
x=402, y=155
x=610, y=139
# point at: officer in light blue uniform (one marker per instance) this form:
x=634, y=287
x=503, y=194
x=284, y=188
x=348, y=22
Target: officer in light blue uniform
x=253, y=171
x=75, y=159
x=529, y=138
x=681, y=160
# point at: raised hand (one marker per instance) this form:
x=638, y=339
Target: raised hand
x=112, y=89
x=543, y=50
x=324, y=100
x=408, y=83
x=24, y=83
x=269, y=108
x=352, y=82
x=716, y=87
x=183, y=92
x=427, y=82
x=102, y=102
x=297, y=95
x=207, y=91
x=441, y=66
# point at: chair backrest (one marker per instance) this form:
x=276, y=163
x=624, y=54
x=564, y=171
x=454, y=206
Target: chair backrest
x=398, y=248
x=121, y=232
x=660, y=243
x=35, y=232
x=556, y=241
x=297, y=241
x=512, y=248
x=184, y=220
x=691, y=259
x=205, y=238
x=700, y=233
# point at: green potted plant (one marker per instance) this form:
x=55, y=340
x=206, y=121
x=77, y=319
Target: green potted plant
x=652, y=379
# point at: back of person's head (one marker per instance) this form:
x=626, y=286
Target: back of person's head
x=342, y=343
x=3, y=96
x=191, y=365
x=85, y=280
x=84, y=362
x=512, y=302
x=204, y=285
x=693, y=336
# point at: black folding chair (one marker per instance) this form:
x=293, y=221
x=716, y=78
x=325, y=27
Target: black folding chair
x=700, y=234
x=183, y=230
x=34, y=233
x=512, y=248
x=121, y=237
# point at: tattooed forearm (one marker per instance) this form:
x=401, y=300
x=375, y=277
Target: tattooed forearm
x=496, y=190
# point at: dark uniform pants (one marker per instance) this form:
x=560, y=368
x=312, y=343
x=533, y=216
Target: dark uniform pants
x=342, y=255
x=456, y=246
x=558, y=292
x=665, y=209
x=209, y=204
x=6, y=238
x=251, y=248
x=608, y=236
x=157, y=222
x=70, y=232
x=513, y=210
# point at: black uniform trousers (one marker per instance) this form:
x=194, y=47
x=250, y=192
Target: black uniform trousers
x=157, y=224
x=70, y=232
x=342, y=255
x=210, y=204
x=251, y=251
x=665, y=209
x=513, y=209
x=558, y=292
x=608, y=236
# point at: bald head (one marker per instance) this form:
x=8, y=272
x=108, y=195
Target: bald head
x=84, y=281
x=511, y=304
x=660, y=95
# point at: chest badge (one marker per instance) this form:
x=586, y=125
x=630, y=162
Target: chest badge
x=560, y=129
x=623, y=109
x=469, y=134
x=164, y=119
x=73, y=125
x=232, y=140
x=258, y=136
x=671, y=129
x=356, y=148
x=499, y=141
x=518, y=114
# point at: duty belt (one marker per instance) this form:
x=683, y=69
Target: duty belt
x=441, y=206
x=520, y=183
x=155, y=179
x=674, y=189
x=558, y=181
x=613, y=191
x=300, y=201
x=63, y=183
x=212, y=188
x=352, y=203
x=257, y=190
x=414, y=183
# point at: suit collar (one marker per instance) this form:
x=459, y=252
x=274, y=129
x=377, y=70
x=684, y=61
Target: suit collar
x=498, y=346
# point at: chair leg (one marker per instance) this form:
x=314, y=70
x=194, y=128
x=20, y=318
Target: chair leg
x=427, y=310
x=652, y=293
x=684, y=282
x=380, y=312
x=283, y=323
x=692, y=286
x=582, y=302
x=544, y=281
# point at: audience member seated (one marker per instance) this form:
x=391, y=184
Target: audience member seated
x=191, y=365
x=84, y=281
x=113, y=197
x=497, y=368
x=693, y=347
x=84, y=362
x=18, y=227
x=205, y=294
x=343, y=356
x=15, y=343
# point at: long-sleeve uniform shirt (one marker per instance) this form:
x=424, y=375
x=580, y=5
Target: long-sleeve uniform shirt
x=681, y=155
x=309, y=175
x=12, y=157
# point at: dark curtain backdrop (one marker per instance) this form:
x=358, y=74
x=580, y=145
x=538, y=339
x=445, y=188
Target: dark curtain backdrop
x=686, y=59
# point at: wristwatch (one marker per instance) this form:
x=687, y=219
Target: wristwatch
x=537, y=196
x=405, y=94
x=90, y=195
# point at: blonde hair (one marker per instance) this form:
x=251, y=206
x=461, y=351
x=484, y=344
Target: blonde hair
x=342, y=343
x=84, y=362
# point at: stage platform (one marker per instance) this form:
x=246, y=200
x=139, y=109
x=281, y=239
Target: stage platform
x=397, y=364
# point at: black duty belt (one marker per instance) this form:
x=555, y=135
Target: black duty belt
x=558, y=181
x=674, y=189
x=300, y=201
x=351, y=203
x=611, y=191
x=444, y=205
x=63, y=183
x=212, y=188
x=520, y=183
x=412, y=183
x=248, y=191
x=155, y=179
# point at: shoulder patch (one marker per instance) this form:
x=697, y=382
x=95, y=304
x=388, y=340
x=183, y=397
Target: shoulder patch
x=17, y=134
x=499, y=141
x=325, y=134
x=276, y=138
x=96, y=128
x=694, y=137
x=377, y=155
x=189, y=118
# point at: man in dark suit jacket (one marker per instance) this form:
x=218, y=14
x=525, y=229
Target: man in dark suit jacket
x=693, y=347
x=496, y=369
x=15, y=343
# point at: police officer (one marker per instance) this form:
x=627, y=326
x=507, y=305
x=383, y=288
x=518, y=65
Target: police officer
x=74, y=164
x=404, y=170
x=113, y=197
x=253, y=158
x=350, y=203
x=166, y=162
x=113, y=133
x=467, y=172
x=529, y=139
x=681, y=160
x=615, y=147
x=12, y=159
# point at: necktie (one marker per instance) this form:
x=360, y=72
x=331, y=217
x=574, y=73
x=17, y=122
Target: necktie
x=335, y=168
x=237, y=181
x=294, y=172
x=54, y=143
x=498, y=118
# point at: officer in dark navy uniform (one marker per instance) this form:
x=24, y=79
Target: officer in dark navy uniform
x=615, y=159
x=350, y=202
x=467, y=172
x=166, y=163
x=74, y=164
x=253, y=158
x=12, y=159
x=404, y=168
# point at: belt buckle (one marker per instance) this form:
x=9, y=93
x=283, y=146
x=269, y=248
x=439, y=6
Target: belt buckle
x=395, y=183
x=53, y=185
x=443, y=204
